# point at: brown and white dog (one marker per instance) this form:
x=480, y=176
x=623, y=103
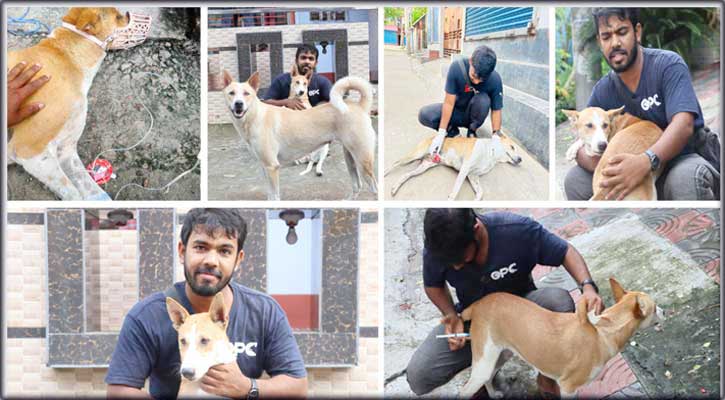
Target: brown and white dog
x=609, y=133
x=45, y=144
x=298, y=90
x=471, y=157
x=203, y=343
x=571, y=348
x=278, y=136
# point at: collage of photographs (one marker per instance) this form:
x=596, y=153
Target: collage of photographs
x=241, y=200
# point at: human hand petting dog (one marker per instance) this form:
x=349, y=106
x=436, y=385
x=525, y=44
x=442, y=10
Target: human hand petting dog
x=20, y=87
x=437, y=142
x=623, y=173
x=454, y=324
x=226, y=380
x=594, y=301
x=294, y=104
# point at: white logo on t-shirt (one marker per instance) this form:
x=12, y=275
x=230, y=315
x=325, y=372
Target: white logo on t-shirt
x=241, y=348
x=313, y=92
x=648, y=102
x=498, y=274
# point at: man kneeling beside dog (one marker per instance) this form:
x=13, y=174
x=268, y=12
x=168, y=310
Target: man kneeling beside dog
x=488, y=259
x=208, y=336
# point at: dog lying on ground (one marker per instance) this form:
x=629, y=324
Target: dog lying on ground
x=571, y=348
x=203, y=343
x=279, y=136
x=472, y=157
x=298, y=90
x=609, y=133
x=45, y=145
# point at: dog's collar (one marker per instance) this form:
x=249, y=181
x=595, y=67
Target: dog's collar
x=103, y=44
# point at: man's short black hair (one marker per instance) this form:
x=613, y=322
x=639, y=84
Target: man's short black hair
x=623, y=13
x=212, y=219
x=448, y=231
x=483, y=61
x=306, y=48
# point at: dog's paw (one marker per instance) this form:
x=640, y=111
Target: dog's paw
x=573, y=150
x=318, y=173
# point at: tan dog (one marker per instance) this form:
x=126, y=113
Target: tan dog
x=472, y=157
x=45, y=144
x=203, y=343
x=571, y=348
x=279, y=136
x=298, y=90
x=609, y=133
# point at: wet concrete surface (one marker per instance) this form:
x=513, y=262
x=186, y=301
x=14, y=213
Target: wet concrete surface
x=409, y=86
x=706, y=83
x=163, y=74
x=663, y=252
x=235, y=173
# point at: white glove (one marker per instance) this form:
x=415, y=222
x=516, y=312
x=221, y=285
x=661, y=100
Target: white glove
x=437, y=143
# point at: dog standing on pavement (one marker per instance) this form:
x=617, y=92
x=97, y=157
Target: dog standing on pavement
x=45, y=145
x=571, y=348
x=609, y=133
x=279, y=136
x=298, y=90
x=472, y=157
x=203, y=343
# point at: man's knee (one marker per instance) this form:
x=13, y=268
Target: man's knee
x=416, y=374
x=691, y=178
x=554, y=299
x=578, y=184
x=430, y=115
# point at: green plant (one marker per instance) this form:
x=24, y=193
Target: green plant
x=680, y=29
x=393, y=15
x=417, y=12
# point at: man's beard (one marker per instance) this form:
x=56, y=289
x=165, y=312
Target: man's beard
x=302, y=71
x=632, y=57
x=206, y=290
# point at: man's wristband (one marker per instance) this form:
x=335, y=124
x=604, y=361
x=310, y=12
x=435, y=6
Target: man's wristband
x=253, y=390
x=588, y=282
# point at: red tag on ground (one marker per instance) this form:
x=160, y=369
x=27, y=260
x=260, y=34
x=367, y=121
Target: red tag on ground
x=101, y=171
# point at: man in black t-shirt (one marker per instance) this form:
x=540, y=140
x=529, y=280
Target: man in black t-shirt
x=318, y=88
x=472, y=89
x=653, y=85
x=478, y=255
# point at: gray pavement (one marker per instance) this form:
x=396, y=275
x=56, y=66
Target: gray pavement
x=681, y=358
x=410, y=85
x=164, y=75
x=235, y=173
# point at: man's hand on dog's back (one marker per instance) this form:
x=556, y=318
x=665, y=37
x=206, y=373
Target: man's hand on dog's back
x=21, y=86
x=294, y=104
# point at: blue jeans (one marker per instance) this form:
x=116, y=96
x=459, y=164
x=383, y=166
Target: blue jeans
x=471, y=117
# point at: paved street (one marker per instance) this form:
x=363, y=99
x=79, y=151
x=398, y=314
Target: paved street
x=671, y=254
x=410, y=85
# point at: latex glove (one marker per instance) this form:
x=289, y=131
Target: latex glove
x=437, y=143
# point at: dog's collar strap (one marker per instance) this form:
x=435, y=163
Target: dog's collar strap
x=103, y=44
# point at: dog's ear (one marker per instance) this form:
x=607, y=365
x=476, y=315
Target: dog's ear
x=293, y=71
x=72, y=16
x=253, y=81
x=615, y=112
x=617, y=289
x=88, y=21
x=227, y=78
x=216, y=310
x=571, y=114
x=177, y=312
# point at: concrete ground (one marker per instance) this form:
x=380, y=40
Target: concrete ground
x=706, y=83
x=162, y=73
x=671, y=254
x=410, y=85
x=235, y=173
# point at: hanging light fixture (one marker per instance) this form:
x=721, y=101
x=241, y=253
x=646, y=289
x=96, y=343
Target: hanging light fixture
x=291, y=217
x=324, y=45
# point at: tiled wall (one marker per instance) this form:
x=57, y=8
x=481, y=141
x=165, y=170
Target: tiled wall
x=26, y=372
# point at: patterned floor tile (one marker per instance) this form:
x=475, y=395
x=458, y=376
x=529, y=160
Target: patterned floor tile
x=600, y=216
x=615, y=376
x=677, y=228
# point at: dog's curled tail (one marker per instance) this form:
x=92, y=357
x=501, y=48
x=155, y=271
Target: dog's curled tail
x=341, y=87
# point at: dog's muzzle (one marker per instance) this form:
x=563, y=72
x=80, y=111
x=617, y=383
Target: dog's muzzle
x=188, y=373
x=132, y=34
x=238, y=110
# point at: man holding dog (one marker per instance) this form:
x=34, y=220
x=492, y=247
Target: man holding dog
x=653, y=85
x=478, y=255
x=318, y=89
x=472, y=89
x=211, y=249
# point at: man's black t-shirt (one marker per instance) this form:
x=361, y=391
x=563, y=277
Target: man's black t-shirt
x=318, y=89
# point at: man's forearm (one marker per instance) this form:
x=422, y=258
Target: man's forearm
x=586, y=161
x=675, y=136
x=447, y=110
x=575, y=265
x=496, y=120
x=282, y=386
x=441, y=298
x=125, y=392
x=278, y=103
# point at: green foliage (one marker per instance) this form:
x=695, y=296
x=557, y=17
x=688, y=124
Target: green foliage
x=680, y=29
x=564, y=88
x=417, y=12
x=393, y=14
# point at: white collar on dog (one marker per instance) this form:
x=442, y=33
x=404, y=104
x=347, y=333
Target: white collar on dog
x=102, y=44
